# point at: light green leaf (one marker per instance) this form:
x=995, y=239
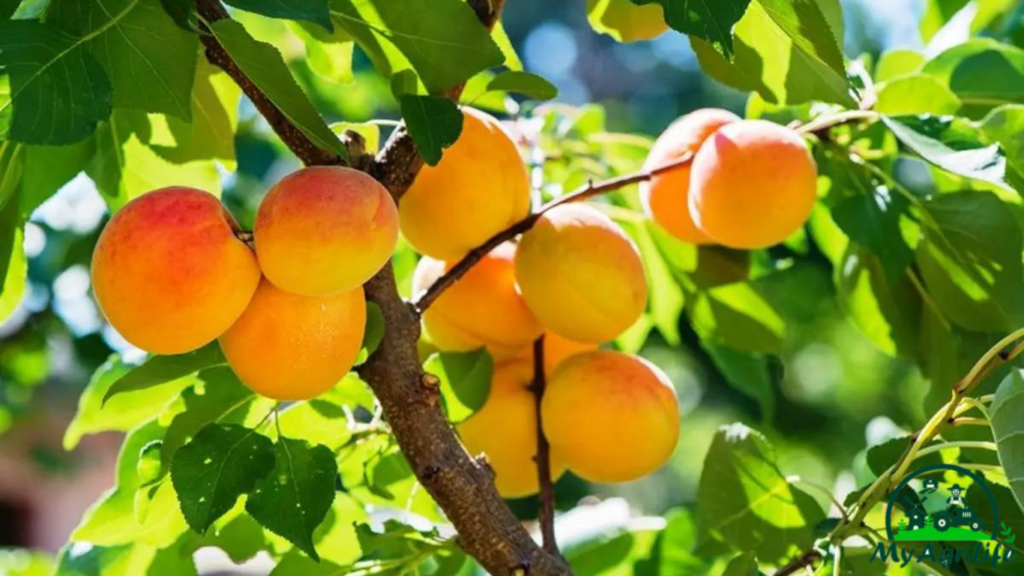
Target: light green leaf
x=742, y=565
x=710, y=21
x=1008, y=430
x=887, y=310
x=1005, y=126
x=745, y=502
x=442, y=40
x=328, y=54
x=47, y=168
x=374, y=332
x=324, y=419
x=916, y=94
x=151, y=61
x=525, y=83
x=898, y=63
x=158, y=370
x=12, y=288
x=773, y=57
x=122, y=413
x=263, y=64
x=512, y=61
x=625, y=21
x=58, y=91
x=294, y=498
x=433, y=122
x=465, y=380
x=613, y=556
x=982, y=73
x=220, y=464
x=315, y=11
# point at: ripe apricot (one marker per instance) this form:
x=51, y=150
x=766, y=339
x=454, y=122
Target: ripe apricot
x=665, y=197
x=169, y=273
x=325, y=229
x=479, y=188
x=580, y=274
x=506, y=430
x=752, y=184
x=292, y=347
x=483, y=308
x=612, y=417
x=628, y=22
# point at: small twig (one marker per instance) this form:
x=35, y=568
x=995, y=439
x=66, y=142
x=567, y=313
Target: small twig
x=800, y=563
x=585, y=192
x=546, y=509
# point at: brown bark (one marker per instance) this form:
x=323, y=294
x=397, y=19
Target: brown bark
x=461, y=485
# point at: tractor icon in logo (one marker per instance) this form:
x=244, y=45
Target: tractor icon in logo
x=930, y=517
x=956, y=518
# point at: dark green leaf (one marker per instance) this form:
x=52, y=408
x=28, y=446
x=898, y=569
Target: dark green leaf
x=951, y=146
x=753, y=374
x=1008, y=430
x=745, y=502
x=711, y=21
x=47, y=168
x=525, y=83
x=742, y=565
x=181, y=12
x=465, y=380
x=982, y=73
x=150, y=60
x=404, y=82
x=263, y=64
x=315, y=11
x=871, y=216
x=294, y=498
x=883, y=456
x=159, y=370
x=59, y=92
x=612, y=556
x=442, y=39
x=220, y=464
x=7, y=8
x=433, y=122
x=887, y=309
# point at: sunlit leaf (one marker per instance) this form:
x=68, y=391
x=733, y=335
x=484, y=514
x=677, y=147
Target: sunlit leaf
x=433, y=122
x=916, y=94
x=524, y=83
x=1008, y=430
x=465, y=380
x=159, y=370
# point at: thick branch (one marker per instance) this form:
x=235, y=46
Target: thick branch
x=546, y=511
x=461, y=485
x=583, y=193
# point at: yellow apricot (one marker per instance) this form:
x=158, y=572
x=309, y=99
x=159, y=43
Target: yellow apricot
x=325, y=229
x=752, y=184
x=627, y=22
x=169, y=273
x=479, y=188
x=483, y=308
x=666, y=196
x=580, y=274
x=612, y=417
x=506, y=430
x=291, y=347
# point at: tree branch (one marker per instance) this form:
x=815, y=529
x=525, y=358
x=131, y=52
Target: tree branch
x=462, y=486
x=805, y=561
x=546, y=511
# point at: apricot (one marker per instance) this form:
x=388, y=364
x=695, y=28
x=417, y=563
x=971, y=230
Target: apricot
x=627, y=22
x=506, y=430
x=479, y=188
x=483, y=308
x=325, y=229
x=665, y=197
x=580, y=274
x=611, y=417
x=752, y=184
x=169, y=273
x=288, y=346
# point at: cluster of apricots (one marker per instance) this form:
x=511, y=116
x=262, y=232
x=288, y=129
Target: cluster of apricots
x=171, y=274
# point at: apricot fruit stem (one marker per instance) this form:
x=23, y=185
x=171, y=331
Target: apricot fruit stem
x=546, y=507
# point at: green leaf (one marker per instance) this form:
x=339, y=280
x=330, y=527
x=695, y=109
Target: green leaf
x=969, y=258
x=47, y=168
x=315, y=11
x=329, y=55
x=433, y=122
x=8, y=8
x=613, y=556
x=775, y=58
x=886, y=309
x=525, y=83
x=1008, y=430
x=122, y=413
x=742, y=565
x=881, y=457
x=952, y=146
x=756, y=375
x=374, y=332
x=710, y=21
x=738, y=315
x=263, y=64
x=18, y=561
x=982, y=73
x=1005, y=126
x=324, y=419
x=58, y=91
x=150, y=60
x=625, y=21
x=13, y=281
x=294, y=498
x=158, y=370
x=220, y=464
x=916, y=94
x=442, y=40
x=898, y=63
x=465, y=380
x=746, y=503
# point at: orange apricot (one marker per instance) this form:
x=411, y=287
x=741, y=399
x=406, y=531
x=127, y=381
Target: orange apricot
x=479, y=188
x=287, y=346
x=506, y=430
x=612, y=417
x=169, y=273
x=752, y=184
x=580, y=274
x=665, y=197
x=325, y=229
